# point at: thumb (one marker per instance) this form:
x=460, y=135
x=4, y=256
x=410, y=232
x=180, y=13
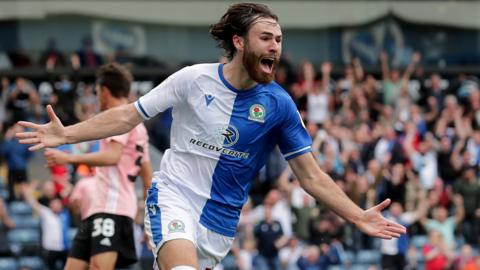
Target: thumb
x=379, y=207
x=51, y=114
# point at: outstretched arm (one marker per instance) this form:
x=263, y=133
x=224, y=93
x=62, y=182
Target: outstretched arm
x=115, y=121
x=321, y=186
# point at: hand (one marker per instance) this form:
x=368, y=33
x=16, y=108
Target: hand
x=56, y=157
x=458, y=200
x=374, y=224
x=383, y=56
x=5, y=83
x=416, y=57
x=51, y=134
x=326, y=67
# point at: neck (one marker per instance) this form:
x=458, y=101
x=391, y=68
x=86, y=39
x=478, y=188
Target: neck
x=115, y=102
x=236, y=74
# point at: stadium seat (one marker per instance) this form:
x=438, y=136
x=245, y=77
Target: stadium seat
x=72, y=232
x=8, y=263
x=24, y=241
x=4, y=194
x=33, y=263
x=19, y=208
x=26, y=222
x=348, y=257
x=368, y=257
x=419, y=241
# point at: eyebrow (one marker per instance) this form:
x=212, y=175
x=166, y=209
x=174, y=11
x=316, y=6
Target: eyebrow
x=270, y=34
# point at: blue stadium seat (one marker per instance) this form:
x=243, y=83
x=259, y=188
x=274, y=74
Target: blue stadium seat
x=8, y=263
x=4, y=194
x=20, y=208
x=348, y=257
x=359, y=267
x=72, y=232
x=26, y=222
x=419, y=241
x=33, y=263
x=368, y=257
x=24, y=241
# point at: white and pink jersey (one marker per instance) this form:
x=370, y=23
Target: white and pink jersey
x=115, y=188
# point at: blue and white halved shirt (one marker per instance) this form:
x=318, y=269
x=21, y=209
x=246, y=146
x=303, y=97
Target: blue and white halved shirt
x=221, y=137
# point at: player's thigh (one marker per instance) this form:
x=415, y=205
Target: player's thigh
x=212, y=247
x=104, y=261
x=177, y=252
x=167, y=217
x=75, y=264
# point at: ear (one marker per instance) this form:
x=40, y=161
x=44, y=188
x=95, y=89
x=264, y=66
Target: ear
x=238, y=42
x=105, y=90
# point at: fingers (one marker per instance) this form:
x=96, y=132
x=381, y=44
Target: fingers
x=383, y=236
x=29, y=141
x=382, y=205
x=36, y=147
x=51, y=114
x=28, y=124
x=397, y=228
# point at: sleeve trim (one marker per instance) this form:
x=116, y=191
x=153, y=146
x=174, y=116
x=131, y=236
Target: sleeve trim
x=142, y=111
x=287, y=155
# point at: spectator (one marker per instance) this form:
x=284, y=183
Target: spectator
x=394, y=250
x=319, y=104
x=290, y=254
x=55, y=221
x=4, y=94
x=464, y=258
x=23, y=100
x=443, y=223
x=51, y=58
x=270, y=238
x=17, y=156
x=88, y=57
x=438, y=254
x=6, y=223
x=469, y=188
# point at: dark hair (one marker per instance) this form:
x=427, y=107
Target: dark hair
x=237, y=21
x=116, y=78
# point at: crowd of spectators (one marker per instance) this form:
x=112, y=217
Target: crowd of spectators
x=405, y=135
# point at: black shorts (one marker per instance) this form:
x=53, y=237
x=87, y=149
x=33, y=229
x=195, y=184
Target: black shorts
x=103, y=233
x=17, y=176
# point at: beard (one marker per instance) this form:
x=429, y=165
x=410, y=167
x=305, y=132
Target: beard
x=251, y=62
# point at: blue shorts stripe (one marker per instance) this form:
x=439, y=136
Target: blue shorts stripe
x=154, y=215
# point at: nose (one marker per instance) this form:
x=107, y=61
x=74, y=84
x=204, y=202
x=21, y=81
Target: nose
x=275, y=46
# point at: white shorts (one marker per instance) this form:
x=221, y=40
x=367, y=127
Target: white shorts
x=169, y=215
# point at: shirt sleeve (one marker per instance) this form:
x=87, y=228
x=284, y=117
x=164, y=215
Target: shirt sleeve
x=294, y=139
x=169, y=93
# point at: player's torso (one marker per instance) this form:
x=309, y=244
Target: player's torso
x=217, y=121
x=115, y=192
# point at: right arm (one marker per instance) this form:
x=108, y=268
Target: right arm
x=384, y=66
x=109, y=123
x=115, y=121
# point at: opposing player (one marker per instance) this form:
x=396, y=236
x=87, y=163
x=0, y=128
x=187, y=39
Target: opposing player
x=105, y=236
x=226, y=120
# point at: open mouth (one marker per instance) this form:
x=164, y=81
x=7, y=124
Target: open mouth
x=267, y=64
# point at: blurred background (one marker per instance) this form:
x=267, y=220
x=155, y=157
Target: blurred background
x=389, y=91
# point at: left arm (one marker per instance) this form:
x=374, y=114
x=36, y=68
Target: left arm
x=321, y=187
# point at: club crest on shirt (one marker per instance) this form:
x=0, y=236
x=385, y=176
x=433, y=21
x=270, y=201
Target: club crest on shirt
x=176, y=226
x=257, y=113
